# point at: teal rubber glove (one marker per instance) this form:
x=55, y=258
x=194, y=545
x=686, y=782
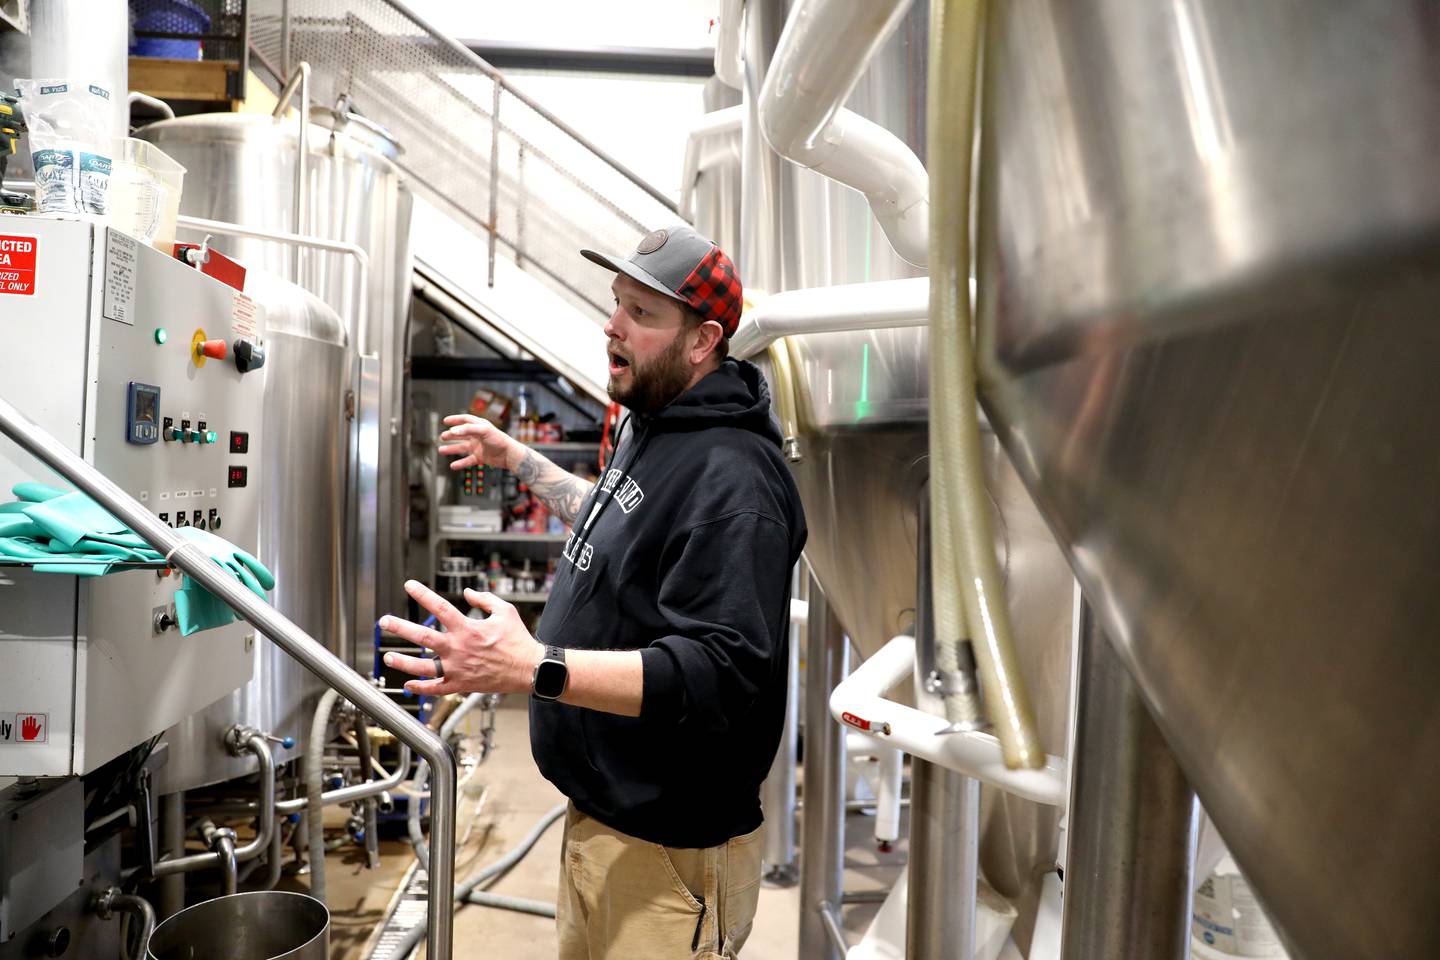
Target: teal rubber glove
x=70, y=517
x=198, y=609
x=243, y=565
x=33, y=492
x=18, y=525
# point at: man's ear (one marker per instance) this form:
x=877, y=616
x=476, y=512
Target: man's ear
x=708, y=334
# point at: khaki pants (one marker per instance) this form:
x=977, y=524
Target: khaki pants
x=622, y=898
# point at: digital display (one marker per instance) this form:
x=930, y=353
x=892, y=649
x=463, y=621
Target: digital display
x=239, y=476
x=142, y=413
x=147, y=407
x=239, y=441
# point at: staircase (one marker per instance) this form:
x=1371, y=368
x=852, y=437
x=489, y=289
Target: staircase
x=529, y=188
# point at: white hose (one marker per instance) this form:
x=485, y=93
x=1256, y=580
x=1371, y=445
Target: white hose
x=967, y=580
x=314, y=788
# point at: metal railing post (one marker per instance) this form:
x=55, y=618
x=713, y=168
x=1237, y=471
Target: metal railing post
x=299, y=221
x=186, y=556
x=823, y=822
x=494, y=224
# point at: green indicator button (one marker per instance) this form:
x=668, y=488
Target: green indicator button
x=210, y=436
x=160, y=335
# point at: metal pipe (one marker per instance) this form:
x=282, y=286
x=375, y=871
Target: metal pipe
x=823, y=843
x=853, y=306
x=237, y=740
x=777, y=794
x=944, y=869
x=359, y=334
x=826, y=46
x=469, y=56
x=137, y=97
x=300, y=219
x=830, y=921
x=1127, y=876
x=313, y=655
x=944, y=862
x=372, y=834
x=172, y=829
x=715, y=123
x=106, y=904
x=729, y=44
x=355, y=791
x=494, y=222
x=857, y=702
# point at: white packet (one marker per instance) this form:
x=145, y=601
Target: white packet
x=68, y=129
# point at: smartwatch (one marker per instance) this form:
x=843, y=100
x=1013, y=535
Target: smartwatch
x=551, y=675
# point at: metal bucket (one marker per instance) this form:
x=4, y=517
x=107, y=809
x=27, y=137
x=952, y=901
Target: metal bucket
x=268, y=925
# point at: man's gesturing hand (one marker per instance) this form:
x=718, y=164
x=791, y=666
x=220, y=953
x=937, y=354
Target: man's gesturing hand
x=494, y=655
x=478, y=442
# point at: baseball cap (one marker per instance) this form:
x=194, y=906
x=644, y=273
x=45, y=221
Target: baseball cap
x=685, y=266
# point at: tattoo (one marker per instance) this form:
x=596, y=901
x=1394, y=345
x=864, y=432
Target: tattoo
x=560, y=490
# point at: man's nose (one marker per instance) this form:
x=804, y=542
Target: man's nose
x=612, y=326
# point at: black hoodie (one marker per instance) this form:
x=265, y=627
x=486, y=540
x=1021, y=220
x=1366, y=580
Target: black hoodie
x=683, y=551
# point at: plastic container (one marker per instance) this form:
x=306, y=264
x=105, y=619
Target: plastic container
x=168, y=16
x=145, y=186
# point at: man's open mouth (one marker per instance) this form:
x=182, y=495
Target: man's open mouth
x=618, y=364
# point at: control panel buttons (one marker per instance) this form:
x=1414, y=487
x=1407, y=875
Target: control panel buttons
x=239, y=441
x=161, y=336
x=215, y=349
x=142, y=413
x=248, y=355
x=198, y=520
x=238, y=476
x=214, y=518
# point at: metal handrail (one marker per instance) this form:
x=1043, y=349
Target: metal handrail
x=480, y=64
x=313, y=655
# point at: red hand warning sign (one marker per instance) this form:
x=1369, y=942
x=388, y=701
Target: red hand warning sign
x=24, y=727
x=17, y=264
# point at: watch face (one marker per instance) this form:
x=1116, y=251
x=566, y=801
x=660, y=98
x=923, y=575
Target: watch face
x=550, y=679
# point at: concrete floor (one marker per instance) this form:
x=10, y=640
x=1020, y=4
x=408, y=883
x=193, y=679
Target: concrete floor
x=518, y=796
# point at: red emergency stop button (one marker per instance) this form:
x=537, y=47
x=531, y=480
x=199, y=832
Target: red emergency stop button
x=215, y=349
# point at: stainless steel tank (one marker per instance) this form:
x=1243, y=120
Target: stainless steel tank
x=864, y=449
x=241, y=168
x=1209, y=258
x=301, y=533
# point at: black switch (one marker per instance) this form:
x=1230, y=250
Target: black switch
x=248, y=355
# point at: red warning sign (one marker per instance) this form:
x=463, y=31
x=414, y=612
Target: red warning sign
x=24, y=727
x=17, y=264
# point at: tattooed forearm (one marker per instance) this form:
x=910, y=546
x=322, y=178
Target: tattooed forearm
x=560, y=490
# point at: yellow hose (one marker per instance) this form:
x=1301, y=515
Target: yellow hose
x=967, y=579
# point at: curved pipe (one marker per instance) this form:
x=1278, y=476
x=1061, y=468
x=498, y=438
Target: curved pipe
x=859, y=703
x=112, y=900
x=155, y=102
x=355, y=791
x=825, y=47
x=281, y=631
x=967, y=576
x=852, y=306
x=712, y=124
x=256, y=744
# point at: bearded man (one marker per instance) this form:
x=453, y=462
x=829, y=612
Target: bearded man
x=657, y=682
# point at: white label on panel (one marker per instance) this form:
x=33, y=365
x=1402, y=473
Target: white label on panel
x=242, y=316
x=164, y=494
x=198, y=494
x=181, y=494
x=212, y=491
x=24, y=727
x=121, y=252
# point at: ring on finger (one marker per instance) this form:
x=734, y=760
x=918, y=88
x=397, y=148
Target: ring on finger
x=439, y=668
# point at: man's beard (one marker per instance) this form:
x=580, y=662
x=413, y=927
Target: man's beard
x=654, y=385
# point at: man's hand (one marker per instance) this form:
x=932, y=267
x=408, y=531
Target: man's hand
x=494, y=655
x=478, y=442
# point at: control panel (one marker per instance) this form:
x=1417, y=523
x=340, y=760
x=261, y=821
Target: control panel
x=154, y=373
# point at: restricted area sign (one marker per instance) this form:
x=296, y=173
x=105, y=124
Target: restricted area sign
x=17, y=264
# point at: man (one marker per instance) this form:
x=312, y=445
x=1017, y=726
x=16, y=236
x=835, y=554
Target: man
x=658, y=684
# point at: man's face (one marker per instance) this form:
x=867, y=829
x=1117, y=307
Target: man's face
x=649, y=348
